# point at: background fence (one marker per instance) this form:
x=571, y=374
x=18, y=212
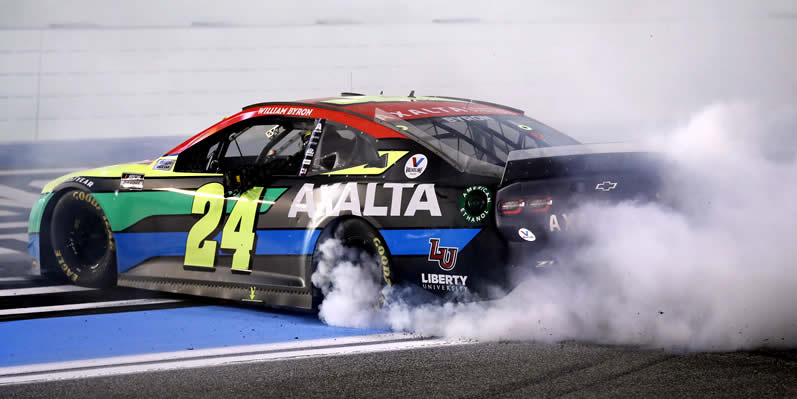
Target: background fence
x=601, y=75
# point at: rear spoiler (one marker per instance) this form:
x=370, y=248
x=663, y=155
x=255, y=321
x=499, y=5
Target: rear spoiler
x=560, y=161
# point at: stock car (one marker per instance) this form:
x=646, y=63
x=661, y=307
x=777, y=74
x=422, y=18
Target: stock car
x=446, y=193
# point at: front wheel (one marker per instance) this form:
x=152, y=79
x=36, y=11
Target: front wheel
x=354, y=242
x=82, y=240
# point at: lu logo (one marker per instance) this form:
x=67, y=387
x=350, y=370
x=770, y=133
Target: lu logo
x=446, y=257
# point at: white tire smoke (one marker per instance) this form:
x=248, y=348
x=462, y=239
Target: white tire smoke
x=718, y=274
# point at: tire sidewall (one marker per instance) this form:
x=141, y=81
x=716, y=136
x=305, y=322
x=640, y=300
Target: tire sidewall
x=357, y=233
x=104, y=274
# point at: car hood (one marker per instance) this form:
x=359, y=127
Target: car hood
x=146, y=168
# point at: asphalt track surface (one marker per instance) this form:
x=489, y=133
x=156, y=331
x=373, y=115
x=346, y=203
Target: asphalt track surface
x=457, y=369
x=412, y=367
x=511, y=370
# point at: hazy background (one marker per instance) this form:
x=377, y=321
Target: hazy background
x=609, y=70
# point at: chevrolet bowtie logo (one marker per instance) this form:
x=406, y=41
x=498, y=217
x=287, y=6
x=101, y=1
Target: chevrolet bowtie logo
x=606, y=186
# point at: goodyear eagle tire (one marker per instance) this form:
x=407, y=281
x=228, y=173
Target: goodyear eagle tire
x=356, y=234
x=82, y=240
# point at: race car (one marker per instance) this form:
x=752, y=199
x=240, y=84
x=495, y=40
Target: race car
x=443, y=192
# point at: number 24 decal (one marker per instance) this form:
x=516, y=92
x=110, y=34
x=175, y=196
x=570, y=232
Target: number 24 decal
x=238, y=233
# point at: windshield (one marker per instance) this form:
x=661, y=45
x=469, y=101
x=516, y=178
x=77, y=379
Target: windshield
x=469, y=139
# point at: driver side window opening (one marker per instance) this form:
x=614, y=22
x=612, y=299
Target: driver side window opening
x=244, y=147
x=343, y=147
x=276, y=143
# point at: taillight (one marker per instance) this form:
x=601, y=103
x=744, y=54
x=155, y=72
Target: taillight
x=539, y=204
x=511, y=207
x=534, y=204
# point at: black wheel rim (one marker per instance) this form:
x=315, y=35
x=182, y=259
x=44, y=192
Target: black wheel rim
x=86, y=238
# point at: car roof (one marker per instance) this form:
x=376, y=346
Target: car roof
x=384, y=108
x=359, y=109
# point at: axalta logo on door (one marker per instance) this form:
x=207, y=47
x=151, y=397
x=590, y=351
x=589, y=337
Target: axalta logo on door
x=334, y=199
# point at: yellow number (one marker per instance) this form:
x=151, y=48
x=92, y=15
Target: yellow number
x=198, y=250
x=238, y=231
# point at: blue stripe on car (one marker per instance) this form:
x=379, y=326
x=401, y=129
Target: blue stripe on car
x=416, y=241
x=134, y=248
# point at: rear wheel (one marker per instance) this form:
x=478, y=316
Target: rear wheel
x=369, y=252
x=82, y=240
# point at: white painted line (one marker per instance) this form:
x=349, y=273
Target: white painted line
x=4, y=212
x=217, y=357
x=16, y=279
x=17, y=195
x=87, y=306
x=18, y=236
x=39, y=183
x=13, y=225
x=9, y=251
x=60, y=171
x=43, y=290
x=16, y=204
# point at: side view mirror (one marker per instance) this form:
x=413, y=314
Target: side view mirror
x=328, y=161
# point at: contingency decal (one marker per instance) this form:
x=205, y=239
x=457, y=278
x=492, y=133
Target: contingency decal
x=364, y=169
x=164, y=164
x=415, y=166
x=132, y=181
x=526, y=234
x=332, y=199
x=475, y=204
x=315, y=137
